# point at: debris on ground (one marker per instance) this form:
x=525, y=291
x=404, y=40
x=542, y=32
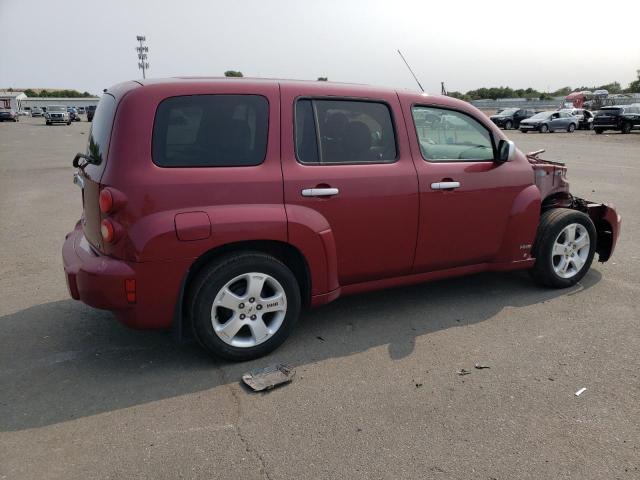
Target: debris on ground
x=268, y=377
x=480, y=366
x=320, y=338
x=462, y=371
x=418, y=385
x=580, y=392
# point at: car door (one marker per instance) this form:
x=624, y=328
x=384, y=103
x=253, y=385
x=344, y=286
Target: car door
x=345, y=156
x=518, y=117
x=555, y=121
x=465, y=196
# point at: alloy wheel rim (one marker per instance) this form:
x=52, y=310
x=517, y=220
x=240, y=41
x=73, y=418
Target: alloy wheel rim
x=570, y=250
x=248, y=310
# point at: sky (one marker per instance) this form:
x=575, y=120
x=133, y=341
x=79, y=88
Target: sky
x=466, y=44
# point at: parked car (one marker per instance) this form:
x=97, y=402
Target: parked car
x=81, y=110
x=544, y=122
x=8, y=115
x=511, y=117
x=73, y=114
x=57, y=114
x=585, y=117
x=37, y=112
x=91, y=110
x=623, y=118
x=221, y=208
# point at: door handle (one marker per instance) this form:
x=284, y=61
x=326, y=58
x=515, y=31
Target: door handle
x=319, y=192
x=445, y=185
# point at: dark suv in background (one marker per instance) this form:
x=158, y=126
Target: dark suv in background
x=511, y=117
x=623, y=118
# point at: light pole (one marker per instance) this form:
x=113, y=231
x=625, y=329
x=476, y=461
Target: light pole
x=142, y=55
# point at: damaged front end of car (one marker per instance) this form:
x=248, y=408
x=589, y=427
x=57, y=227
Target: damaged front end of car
x=550, y=178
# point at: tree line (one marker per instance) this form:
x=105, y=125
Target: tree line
x=507, y=92
x=56, y=93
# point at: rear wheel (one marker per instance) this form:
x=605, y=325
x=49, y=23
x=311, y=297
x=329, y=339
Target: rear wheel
x=626, y=127
x=543, y=128
x=598, y=131
x=508, y=125
x=564, y=248
x=523, y=131
x=571, y=127
x=244, y=306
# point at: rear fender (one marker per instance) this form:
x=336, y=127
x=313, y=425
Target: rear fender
x=311, y=233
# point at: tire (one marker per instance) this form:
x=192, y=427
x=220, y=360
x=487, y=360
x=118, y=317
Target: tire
x=508, y=125
x=589, y=126
x=524, y=131
x=560, y=260
x=48, y=123
x=68, y=123
x=571, y=128
x=543, y=128
x=229, y=278
x=626, y=127
x=598, y=131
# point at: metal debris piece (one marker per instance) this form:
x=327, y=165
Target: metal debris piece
x=268, y=377
x=462, y=371
x=480, y=366
x=580, y=392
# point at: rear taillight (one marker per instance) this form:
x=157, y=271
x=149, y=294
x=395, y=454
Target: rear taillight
x=107, y=230
x=130, y=289
x=106, y=201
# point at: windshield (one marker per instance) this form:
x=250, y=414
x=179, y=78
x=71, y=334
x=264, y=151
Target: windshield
x=56, y=108
x=507, y=111
x=539, y=116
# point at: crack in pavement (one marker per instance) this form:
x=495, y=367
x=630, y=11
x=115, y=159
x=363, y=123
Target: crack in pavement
x=247, y=446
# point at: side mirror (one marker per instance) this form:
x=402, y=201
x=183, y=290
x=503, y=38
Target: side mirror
x=506, y=150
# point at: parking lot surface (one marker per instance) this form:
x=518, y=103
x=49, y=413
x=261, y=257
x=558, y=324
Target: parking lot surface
x=376, y=395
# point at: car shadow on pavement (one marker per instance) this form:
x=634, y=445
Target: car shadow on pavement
x=63, y=360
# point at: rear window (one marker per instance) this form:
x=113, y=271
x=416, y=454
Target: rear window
x=101, y=128
x=211, y=131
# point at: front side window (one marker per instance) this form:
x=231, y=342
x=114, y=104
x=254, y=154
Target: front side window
x=211, y=131
x=343, y=132
x=448, y=135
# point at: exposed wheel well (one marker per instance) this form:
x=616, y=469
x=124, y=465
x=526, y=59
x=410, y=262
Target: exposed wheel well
x=286, y=253
x=604, y=229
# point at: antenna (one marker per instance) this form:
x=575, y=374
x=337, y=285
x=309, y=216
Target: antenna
x=407, y=64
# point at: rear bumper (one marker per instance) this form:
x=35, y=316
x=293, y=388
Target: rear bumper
x=608, y=223
x=99, y=281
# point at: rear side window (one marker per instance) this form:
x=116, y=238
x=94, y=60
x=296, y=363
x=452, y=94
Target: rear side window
x=101, y=129
x=344, y=132
x=449, y=136
x=211, y=131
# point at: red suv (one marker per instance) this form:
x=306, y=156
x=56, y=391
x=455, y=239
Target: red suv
x=224, y=206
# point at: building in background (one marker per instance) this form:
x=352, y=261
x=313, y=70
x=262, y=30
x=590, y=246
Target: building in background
x=12, y=100
x=19, y=101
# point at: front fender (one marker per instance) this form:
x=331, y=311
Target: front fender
x=521, y=226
